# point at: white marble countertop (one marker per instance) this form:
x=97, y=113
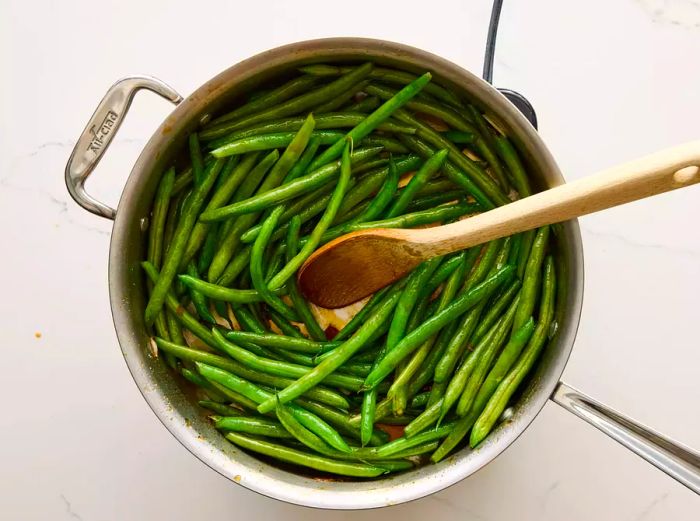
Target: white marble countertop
x=609, y=80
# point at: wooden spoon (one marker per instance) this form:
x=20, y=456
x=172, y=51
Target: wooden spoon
x=359, y=263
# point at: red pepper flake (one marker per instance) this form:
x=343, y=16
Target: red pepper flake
x=394, y=431
x=331, y=332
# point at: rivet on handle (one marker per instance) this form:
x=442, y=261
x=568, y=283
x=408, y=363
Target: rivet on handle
x=99, y=133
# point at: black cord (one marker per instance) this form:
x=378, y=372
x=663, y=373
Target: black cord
x=491, y=40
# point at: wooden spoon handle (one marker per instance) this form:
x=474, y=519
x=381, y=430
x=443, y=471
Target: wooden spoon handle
x=663, y=171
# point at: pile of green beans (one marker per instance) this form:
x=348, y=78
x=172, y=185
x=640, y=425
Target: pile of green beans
x=438, y=355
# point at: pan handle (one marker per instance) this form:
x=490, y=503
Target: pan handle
x=100, y=131
x=680, y=462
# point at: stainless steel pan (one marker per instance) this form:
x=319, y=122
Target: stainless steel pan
x=169, y=397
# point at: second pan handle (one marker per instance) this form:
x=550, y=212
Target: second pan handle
x=678, y=461
x=100, y=132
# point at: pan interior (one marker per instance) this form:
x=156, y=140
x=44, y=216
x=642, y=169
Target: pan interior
x=172, y=400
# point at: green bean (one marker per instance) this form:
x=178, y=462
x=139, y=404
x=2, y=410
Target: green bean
x=297, y=358
x=438, y=186
x=499, y=399
x=158, y=217
x=319, y=393
x=250, y=425
x=531, y=278
x=174, y=329
x=485, y=145
x=232, y=381
x=235, y=267
x=389, y=144
x=442, y=273
x=414, y=285
x=483, y=364
x=256, y=268
x=294, y=105
x=301, y=433
x=198, y=299
x=367, y=412
x=236, y=296
x=196, y=159
x=359, y=318
x=160, y=325
x=402, y=444
x=458, y=137
x=231, y=232
x=399, y=388
x=387, y=75
x=178, y=311
x=457, y=344
x=437, y=390
x=414, y=339
x=440, y=214
x=300, y=304
x=461, y=170
x=375, y=118
x=278, y=368
x=420, y=400
x=284, y=325
x=374, y=164
x=340, y=354
x=311, y=421
x=234, y=173
x=496, y=310
x=499, y=370
x=355, y=369
x=525, y=247
x=428, y=417
x=368, y=104
x=367, y=356
x=299, y=186
x=315, y=443
x=486, y=264
x=446, y=114
x=199, y=381
x=383, y=197
x=280, y=94
x=269, y=141
x=245, y=404
x=304, y=459
x=514, y=253
x=255, y=349
x=218, y=408
x=327, y=121
x=211, y=242
x=517, y=170
x=177, y=248
x=310, y=245
x=184, y=179
x=305, y=207
x=370, y=183
x=171, y=222
x=248, y=320
x=299, y=345
x=419, y=450
x=458, y=431
x=403, y=309
x=341, y=99
x=319, y=427
x=341, y=421
x=425, y=172
x=433, y=200
x=489, y=344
